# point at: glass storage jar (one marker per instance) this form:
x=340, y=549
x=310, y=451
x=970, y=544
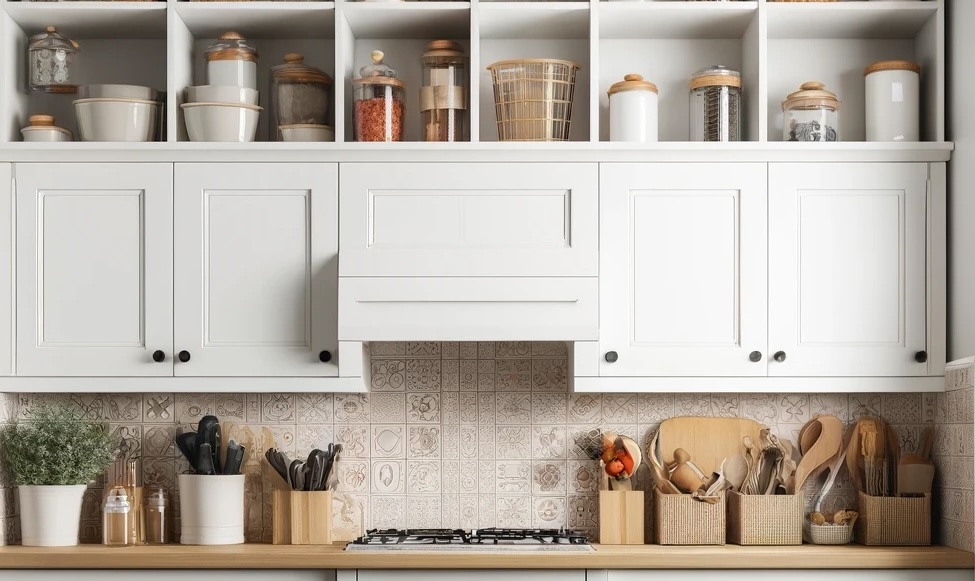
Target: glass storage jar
x=893, y=100
x=299, y=94
x=811, y=114
x=117, y=518
x=443, y=96
x=715, y=104
x=380, y=102
x=53, y=62
x=633, y=110
x=232, y=61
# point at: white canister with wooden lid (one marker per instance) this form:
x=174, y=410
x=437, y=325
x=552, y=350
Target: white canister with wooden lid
x=893, y=101
x=633, y=110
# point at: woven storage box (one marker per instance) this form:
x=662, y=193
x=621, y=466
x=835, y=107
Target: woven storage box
x=680, y=520
x=826, y=534
x=765, y=519
x=889, y=520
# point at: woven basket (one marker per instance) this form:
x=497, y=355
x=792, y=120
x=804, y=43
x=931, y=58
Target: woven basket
x=886, y=520
x=765, y=519
x=533, y=98
x=826, y=534
x=680, y=520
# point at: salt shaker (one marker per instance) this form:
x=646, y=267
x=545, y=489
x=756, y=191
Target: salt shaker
x=157, y=516
x=116, y=518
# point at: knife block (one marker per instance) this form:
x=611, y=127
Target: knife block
x=621, y=517
x=302, y=517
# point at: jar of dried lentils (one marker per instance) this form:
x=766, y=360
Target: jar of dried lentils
x=380, y=102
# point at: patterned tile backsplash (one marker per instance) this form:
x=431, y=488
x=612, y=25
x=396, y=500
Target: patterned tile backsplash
x=474, y=435
x=953, y=451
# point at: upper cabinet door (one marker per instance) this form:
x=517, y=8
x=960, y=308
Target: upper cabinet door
x=94, y=269
x=682, y=285
x=469, y=219
x=847, y=269
x=256, y=267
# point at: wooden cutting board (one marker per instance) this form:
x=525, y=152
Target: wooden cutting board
x=708, y=440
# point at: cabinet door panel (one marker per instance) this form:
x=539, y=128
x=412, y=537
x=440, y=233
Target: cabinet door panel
x=94, y=268
x=682, y=269
x=256, y=268
x=847, y=269
x=7, y=340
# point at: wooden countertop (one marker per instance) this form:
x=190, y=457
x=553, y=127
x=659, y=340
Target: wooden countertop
x=258, y=556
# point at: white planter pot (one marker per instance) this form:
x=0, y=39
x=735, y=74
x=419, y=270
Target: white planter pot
x=50, y=515
x=211, y=509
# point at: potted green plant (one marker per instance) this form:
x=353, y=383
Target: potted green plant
x=52, y=457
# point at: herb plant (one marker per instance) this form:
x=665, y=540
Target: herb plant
x=56, y=446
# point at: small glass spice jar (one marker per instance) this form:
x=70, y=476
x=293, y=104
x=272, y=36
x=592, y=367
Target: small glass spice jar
x=811, y=114
x=232, y=61
x=157, y=516
x=299, y=94
x=53, y=62
x=633, y=110
x=893, y=100
x=380, y=102
x=117, y=518
x=715, y=104
x=443, y=96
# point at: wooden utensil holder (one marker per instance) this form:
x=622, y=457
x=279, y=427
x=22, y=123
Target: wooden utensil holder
x=680, y=520
x=890, y=520
x=765, y=519
x=621, y=518
x=301, y=517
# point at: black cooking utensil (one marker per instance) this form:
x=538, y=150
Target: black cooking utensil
x=209, y=433
x=317, y=463
x=293, y=474
x=235, y=457
x=280, y=462
x=205, y=465
x=187, y=444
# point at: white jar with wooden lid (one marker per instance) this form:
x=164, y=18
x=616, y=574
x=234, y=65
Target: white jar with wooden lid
x=633, y=110
x=42, y=128
x=893, y=101
x=231, y=60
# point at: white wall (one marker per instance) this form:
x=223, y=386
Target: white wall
x=961, y=195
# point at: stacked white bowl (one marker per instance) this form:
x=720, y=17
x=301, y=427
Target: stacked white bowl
x=221, y=113
x=118, y=113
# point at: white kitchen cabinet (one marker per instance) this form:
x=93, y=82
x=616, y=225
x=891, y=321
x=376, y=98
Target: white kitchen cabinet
x=164, y=575
x=847, y=269
x=461, y=575
x=7, y=330
x=778, y=575
x=682, y=270
x=256, y=260
x=94, y=269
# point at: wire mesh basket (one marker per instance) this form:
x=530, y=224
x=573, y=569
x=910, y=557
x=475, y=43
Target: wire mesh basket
x=533, y=98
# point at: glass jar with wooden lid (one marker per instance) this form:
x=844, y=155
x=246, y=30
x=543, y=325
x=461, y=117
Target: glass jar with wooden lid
x=811, y=114
x=633, y=110
x=380, y=102
x=893, y=101
x=231, y=60
x=715, y=104
x=443, y=96
x=299, y=94
x=52, y=62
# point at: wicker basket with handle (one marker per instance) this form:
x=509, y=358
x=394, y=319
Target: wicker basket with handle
x=826, y=534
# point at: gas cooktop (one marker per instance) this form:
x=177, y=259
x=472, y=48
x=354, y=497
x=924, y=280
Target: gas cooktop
x=492, y=539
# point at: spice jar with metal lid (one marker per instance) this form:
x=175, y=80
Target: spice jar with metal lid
x=443, y=96
x=299, y=94
x=893, y=101
x=42, y=128
x=633, y=110
x=53, y=62
x=715, y=104
x=380, y=102
x=231, y=60
x=811, y=114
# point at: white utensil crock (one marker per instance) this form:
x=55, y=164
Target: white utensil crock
x=211, y=509
x=50, y=515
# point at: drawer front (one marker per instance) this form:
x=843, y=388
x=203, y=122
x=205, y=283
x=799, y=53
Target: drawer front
x=481, y=219
x=469, y=309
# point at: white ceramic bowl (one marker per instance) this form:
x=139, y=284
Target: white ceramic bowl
x=307, y=132
x=116, y=119
x=45, y=134
x=118, y=92
x=220, y=121
x=221, y=94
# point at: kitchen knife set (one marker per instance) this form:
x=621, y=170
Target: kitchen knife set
x=315, y=473
x=202, y=449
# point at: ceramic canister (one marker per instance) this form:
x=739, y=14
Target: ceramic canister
x=211, y=509
x=633, y=110
x=893, y=103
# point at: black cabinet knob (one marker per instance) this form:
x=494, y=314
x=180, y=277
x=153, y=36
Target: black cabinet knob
x=612, y=356
x=324, y=356
x=921, y=357
x=184, y=356
x=755, y=356
x=158, y=356
x=779, y=356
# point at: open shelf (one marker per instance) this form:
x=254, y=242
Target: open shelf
x=789, y=20
x=92, y=19
x=529, y=20
x=408, y=19
x=259, y=19
x=618, y=20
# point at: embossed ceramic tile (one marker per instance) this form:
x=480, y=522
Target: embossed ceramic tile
x=125, y=407
x=579, y=440
x=513, y=476
x=583, y=512
x=654, y=408
x=789, y=431
x=450, y=375
x=513, y=349
x=450, y=476
x=314, y=408
x=468, y=350
x=486, y=375
x=450, y=441
x=423, y=511
x=486, y=442
x=388, y=441
x=388, y=349
x=468, y=511
x=620, y=408
x=909, y=438
x=582, y=476
x=549, y=408
x=450, y=407
x=549, y=349
x=865, y=404
x=159, y=440
x=191, y=407
x=351, y=408
x=129, y=438
x=423, y=408
x=468, y=408
x=830, y=404
x=387, y=408
x=941, y=412
x=956, y=405
x=646, y=433
x=514, y=408
x=468, y=476
x=902, y=408
x=468, y=375
x=549, y=512
x=929, y=407
x=423, y=442
x=159, y=471
x=513, y=442
x=550, y=375
x=585, y=408
x=692, y=404
x=423, y=349
x=549, y=477
x=468, y=441
x=549, y=442
x=487, y=510
x=311, y=436
x=486, y=350
x=348, y=516
x=963, y=473
x=285, y=437
x=514, y=511
x=450, y=350
x=388, y=477
x=793, y=408
x=91, y=406
x=252, y=408
x=354, y=440
x=278, y=407
x=450, y=511
x=761, y=407
x=486, y=476
x=725, y=405
x=514, y=374
x=353, y=475
x=229, y=406
x=486, y=405
x=388, y=374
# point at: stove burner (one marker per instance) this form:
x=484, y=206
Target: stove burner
x=488, y=536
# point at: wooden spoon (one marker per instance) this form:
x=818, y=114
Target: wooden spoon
x=735, y=471
x=826, y=446
x=809, y=434
x=660, y=477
